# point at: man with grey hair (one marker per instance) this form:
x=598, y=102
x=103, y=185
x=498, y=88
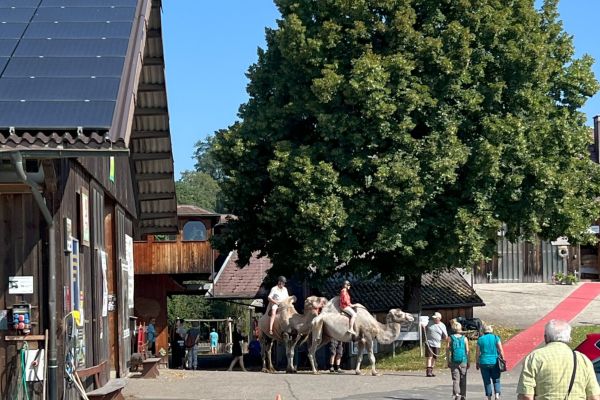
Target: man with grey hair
x=555, y=372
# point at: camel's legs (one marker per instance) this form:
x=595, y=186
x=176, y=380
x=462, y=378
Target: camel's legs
x=369, y=345
x=290, y=344
x=265, y=352
x=361, y=348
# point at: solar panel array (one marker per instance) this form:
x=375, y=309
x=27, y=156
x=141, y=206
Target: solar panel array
x=61, y=62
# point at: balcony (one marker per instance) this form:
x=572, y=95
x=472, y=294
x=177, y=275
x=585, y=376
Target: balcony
x=173, y=257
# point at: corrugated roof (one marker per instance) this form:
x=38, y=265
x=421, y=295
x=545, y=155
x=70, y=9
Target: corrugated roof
x=70, y=46
x=444, y=290
x=188, y=210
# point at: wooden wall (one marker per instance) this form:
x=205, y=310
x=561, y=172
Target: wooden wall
x=173, y=257
x=22, y=252
x=151, y=302
x=121, y=189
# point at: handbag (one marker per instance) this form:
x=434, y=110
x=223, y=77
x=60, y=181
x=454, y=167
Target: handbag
x=501, y=364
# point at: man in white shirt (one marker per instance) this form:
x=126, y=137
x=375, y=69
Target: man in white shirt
x=278, y=294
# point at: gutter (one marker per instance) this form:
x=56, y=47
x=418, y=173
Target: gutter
x=17, y=161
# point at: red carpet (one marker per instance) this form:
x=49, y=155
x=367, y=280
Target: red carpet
x=522, y=344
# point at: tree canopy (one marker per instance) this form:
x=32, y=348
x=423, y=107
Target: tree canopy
x=398, y=136
x=200, y=189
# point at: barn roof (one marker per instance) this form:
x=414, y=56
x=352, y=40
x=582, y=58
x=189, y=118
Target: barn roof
x=444, y=290
x=86, y=77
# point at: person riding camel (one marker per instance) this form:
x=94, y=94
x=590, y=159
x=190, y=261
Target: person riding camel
x=278, y=294
x=347, y=306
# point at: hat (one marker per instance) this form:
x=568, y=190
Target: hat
x=282, y=279
x=436, y=315
x=346, y=283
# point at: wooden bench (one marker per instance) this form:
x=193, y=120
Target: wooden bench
x=150, y=368
x=110, y=391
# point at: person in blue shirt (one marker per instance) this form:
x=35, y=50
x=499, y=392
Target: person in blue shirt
x=214, y=340
x=489, y=348
x=151, y=336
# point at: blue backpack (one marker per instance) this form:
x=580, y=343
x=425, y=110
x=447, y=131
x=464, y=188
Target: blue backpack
x=459, y=351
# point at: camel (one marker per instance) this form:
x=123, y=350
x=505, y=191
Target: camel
x=289, y=327
x=331, y=324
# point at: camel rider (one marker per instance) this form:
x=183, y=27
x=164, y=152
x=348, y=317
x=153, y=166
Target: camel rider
x=278, y=294
x=346, y=306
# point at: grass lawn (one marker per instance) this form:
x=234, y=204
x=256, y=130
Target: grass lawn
x=579, y=333
x=408, y=357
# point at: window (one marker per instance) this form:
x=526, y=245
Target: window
x=194, y=230
x=165, y=238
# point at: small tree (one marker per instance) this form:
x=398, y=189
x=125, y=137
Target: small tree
x=397, y=136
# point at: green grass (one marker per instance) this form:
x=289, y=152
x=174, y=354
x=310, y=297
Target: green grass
x=408, y=357
x=579, y=333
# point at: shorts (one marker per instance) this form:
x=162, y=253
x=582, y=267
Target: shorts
x=431, y=351
x=213, y=344
x=336, y=348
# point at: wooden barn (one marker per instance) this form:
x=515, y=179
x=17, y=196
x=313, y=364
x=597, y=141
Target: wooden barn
x=174, y=264
x=85, y=168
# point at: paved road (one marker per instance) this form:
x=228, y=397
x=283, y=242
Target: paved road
x=521, y=304
x=222, y=385
x=516, y=305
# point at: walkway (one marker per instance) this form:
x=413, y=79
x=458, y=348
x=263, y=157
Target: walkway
x=522, y=344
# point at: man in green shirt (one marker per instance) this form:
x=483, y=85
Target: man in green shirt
x=547, y=371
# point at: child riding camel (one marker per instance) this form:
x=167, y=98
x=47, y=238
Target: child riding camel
x=346, y=306
x=278, y=294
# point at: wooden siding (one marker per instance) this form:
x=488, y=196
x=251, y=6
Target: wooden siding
x=526, y=262
x=121, y=189
x=21, y=253
x=173, y=257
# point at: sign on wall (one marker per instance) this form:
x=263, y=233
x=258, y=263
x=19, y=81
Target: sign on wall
x=85, y=216
x=129, y=258
x=20, y=285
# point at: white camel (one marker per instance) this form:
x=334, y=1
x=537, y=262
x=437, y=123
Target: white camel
x=289, y=327
x=331, y=324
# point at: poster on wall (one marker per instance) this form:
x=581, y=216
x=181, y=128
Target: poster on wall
x=20, y=284
x=104, y=262
x=129, y=257
x=85, y=216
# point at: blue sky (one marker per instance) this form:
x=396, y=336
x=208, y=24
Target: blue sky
x=209, y=46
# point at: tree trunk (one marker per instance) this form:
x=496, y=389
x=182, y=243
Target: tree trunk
x=412, y=293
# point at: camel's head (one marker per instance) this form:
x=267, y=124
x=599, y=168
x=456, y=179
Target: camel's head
x=314, y=304
x=398, y=316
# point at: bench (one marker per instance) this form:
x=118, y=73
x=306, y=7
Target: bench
x=110, y=391
x=150, y=368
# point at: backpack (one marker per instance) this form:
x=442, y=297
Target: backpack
x=459, y=351
x=190, y=340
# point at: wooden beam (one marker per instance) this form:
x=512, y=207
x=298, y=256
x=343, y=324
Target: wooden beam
x=151, y=87
x=156, y=196
x=150, y=111
x=151, y=156
x=154, y=176
x=158, y=215
x=150, y=134
x=154, y=61
x=155, y=230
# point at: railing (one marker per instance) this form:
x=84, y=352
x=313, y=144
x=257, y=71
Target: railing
x=173, y=257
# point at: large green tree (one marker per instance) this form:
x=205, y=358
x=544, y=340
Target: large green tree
x=199, y=189
x=397, y=136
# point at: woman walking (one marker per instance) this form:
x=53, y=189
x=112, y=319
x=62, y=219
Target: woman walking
x=489, y=348
x=236, y=349
x=457, y=351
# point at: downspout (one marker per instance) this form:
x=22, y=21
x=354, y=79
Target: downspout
x=17, y=161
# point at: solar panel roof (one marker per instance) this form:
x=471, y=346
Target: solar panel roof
x=61, y=62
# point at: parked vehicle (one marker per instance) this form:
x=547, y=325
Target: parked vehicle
x=591, y=348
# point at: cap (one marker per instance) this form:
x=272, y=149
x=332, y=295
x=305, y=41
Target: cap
x=346, y=283
x=436, y=315
x=282, y=279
